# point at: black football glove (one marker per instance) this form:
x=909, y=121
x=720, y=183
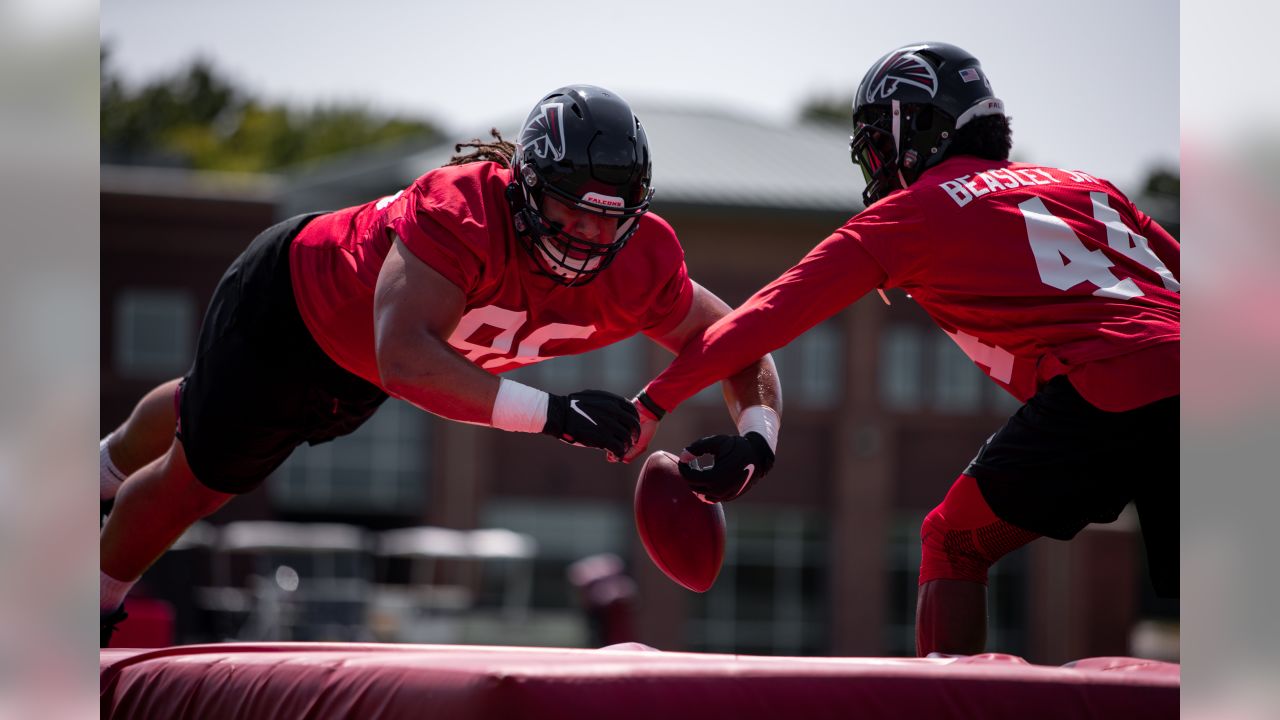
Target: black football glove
x=740, y=462
x=593, y=418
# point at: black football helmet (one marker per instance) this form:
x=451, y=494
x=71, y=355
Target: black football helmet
x=908, y=108
x=582, y=146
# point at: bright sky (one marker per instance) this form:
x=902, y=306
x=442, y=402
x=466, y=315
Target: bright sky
x=1090, y=84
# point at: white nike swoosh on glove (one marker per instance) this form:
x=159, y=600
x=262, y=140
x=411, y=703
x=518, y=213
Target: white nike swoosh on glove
x=574, y=405
x=751, y=470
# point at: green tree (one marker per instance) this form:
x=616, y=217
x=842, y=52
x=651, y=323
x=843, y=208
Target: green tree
x=1160, y=197
x=828, y=108
x=196, y=118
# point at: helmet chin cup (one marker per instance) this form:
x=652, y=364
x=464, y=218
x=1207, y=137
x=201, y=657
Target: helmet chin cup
x=565, y=268
x=556, y=253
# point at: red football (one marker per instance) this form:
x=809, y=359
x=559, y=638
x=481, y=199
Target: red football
x=683, y=535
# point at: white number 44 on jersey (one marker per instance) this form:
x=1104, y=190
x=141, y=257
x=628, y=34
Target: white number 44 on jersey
x=1064, y=261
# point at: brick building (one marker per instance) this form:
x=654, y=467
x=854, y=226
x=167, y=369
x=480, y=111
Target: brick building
x=882, y=411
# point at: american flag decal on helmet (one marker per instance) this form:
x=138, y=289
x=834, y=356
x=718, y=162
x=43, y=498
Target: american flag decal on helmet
x=903, y=67
x=546, y=134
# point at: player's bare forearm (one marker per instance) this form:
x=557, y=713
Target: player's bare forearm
x=415, y=309
x=435, y=378
x=756, y=384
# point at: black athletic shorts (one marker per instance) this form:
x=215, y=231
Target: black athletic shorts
x=1060, y=463
x=260, y=385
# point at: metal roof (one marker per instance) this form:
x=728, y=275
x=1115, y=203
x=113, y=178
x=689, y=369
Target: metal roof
x=712, y=157
x=718, y=158
x=183, y=182
x=702, y=157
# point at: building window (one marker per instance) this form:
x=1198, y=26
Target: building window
x=623, y=364
x=618, y=368
x=820, y=363
x=154, y=331
x=902, y=368
x=771, y=595
x=958, y=382
x=1006, y=595
x=562, y=374
x=379, y=469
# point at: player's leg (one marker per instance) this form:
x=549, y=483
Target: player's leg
x=960, y=540
x=1157, y=499
x=1050, y=471
x=951, y=617
x=240, y=412
x=160, y=501
x=1158, y=518
x=143, y=437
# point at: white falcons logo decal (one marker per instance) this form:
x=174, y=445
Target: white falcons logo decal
x=546, y=134
x=903, y=67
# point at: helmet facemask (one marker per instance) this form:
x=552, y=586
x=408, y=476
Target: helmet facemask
x=558, y=253
x=875, y=151
x=907, y=109
x=582, y=147
x=894, y=144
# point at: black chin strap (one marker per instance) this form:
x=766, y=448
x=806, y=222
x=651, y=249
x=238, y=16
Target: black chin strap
x=515, y=198
x=523, y=221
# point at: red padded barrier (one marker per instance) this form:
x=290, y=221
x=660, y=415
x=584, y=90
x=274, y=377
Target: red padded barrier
x=151, y=625
x=385, y=682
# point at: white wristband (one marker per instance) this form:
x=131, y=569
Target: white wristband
x=762, y=419
x=519, y=408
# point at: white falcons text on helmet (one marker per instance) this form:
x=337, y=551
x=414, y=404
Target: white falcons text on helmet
x=546, y=134
x=608, y=201
x=903, y=67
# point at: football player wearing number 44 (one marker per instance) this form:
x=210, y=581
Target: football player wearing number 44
x=1052, y=282
x=507, y=256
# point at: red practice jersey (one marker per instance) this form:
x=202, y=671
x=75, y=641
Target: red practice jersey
x=1033, y=271
x=457, y=220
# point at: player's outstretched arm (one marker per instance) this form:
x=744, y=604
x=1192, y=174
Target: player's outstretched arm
x=832, y=275
x=416, y=309
x=753, y=394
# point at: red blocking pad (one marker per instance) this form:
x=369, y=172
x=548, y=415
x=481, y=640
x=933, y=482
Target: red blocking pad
x=150, y=624
x=683, y=535
x=277, y=681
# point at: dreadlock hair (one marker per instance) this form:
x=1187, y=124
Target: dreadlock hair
x=500, y=151
x=988, y=137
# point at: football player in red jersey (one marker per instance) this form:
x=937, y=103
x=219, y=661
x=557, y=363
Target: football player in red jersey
x=1049, y=279
x=507, y=256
